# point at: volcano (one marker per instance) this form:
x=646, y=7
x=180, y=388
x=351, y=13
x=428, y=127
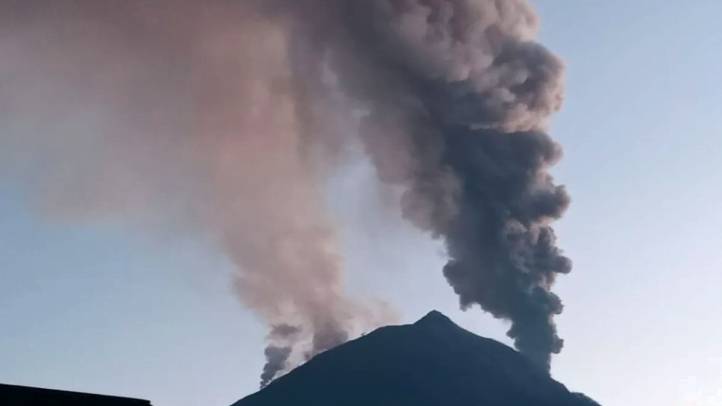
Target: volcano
x=432, y=362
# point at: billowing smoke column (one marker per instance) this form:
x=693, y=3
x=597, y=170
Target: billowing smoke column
x=222, y=119
x=457, y=96
x=485, y=90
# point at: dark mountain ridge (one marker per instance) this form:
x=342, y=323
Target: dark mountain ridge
x=432, y=362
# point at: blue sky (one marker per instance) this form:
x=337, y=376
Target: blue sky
x=105, y=308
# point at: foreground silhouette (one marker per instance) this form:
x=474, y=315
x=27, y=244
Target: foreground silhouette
x=13, y=395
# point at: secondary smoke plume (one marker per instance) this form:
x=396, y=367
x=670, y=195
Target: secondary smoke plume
x=277, y=355
x=184, y=116
x=223, y=119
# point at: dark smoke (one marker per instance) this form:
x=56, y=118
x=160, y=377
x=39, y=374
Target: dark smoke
x=277, y=355
x=276, y=360
x=462, y=90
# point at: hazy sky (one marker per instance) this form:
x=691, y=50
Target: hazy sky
x=103, y=308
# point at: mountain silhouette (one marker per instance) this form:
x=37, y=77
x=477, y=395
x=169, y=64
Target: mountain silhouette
x=432, y=362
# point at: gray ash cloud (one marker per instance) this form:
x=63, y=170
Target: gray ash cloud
x=458, y=95
x=218, y=118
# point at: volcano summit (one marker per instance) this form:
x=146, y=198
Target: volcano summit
x=432, y=362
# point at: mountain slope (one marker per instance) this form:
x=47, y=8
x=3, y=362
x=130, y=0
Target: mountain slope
x=432, y=362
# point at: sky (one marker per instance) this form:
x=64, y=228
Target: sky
x=106, y=308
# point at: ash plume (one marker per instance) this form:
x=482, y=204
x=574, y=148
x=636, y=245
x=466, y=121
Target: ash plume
x=485, y=90
x=457, y=95
x=186, y=117
x=223, y=119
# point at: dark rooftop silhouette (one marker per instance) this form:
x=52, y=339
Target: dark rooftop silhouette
x=14, y=395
